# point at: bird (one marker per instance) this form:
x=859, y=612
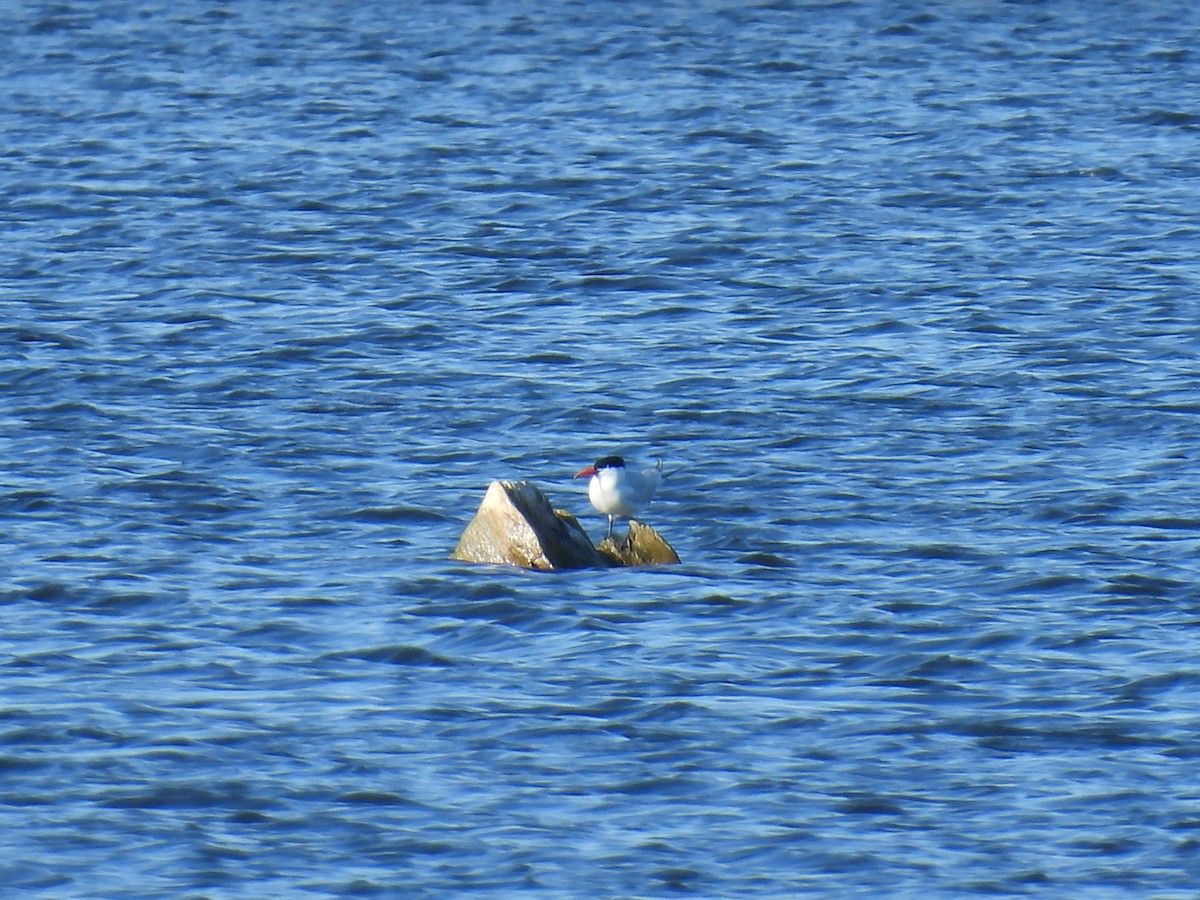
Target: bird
x=616, y=491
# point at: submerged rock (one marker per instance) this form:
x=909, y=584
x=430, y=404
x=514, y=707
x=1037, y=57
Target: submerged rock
x=516, y=525
x=643, y=546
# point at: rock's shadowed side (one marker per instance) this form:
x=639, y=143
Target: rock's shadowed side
x=643, y=547
x=516, y=525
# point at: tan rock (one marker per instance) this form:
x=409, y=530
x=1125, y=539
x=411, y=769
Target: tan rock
x=643, y=546
x=516, y=525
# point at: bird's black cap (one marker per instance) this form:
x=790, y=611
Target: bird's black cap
x=610, y=462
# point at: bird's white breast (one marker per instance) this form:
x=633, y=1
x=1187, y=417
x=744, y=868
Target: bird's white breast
x=619, y=492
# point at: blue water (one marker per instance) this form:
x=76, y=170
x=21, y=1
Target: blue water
x=906, y=295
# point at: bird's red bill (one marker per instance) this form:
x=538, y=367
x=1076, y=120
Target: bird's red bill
x=586, y=473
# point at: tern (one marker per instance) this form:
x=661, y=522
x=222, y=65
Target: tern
x=616, y=491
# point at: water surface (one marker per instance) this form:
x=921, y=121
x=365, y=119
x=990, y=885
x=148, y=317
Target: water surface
x=904, y=295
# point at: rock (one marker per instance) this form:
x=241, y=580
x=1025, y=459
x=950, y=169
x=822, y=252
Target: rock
x=643, y=546
x=516, y=525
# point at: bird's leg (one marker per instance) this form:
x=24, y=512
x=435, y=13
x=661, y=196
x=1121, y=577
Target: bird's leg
x=610, y=524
